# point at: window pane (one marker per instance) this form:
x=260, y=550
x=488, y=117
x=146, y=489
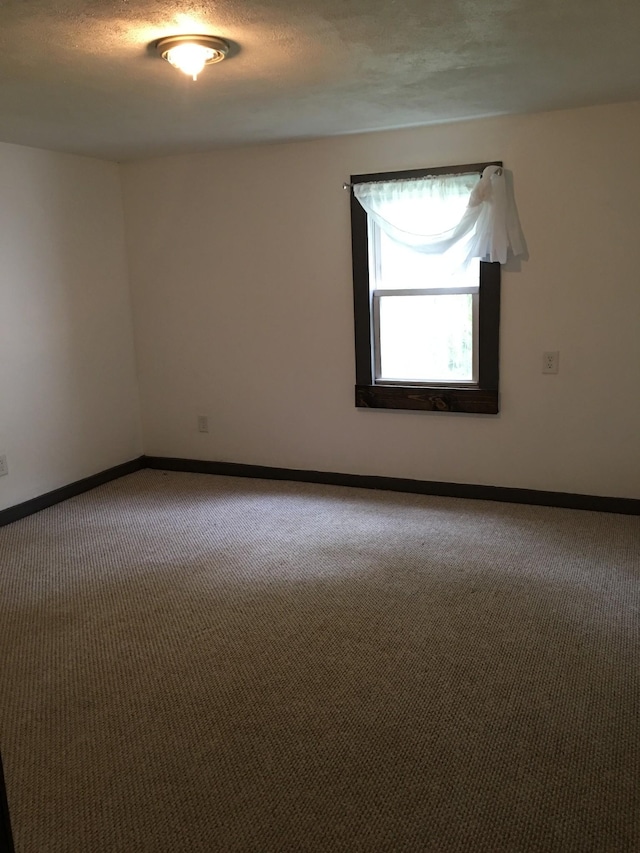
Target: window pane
x=426, y=338
x=402, y=267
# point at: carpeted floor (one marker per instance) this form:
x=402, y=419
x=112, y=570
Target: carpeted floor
x=198, y=663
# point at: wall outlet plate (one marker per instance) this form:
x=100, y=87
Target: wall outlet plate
x=550, y=362
x=4, y=465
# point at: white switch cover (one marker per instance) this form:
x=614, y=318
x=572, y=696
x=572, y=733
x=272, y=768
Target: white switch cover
x=203, y=423
x=4, y=465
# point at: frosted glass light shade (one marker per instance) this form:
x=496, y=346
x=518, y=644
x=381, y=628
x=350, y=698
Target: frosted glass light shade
x=189, y=58
x=191, y=53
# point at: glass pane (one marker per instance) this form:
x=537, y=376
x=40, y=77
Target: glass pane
x=402, y=268
x=426, y=338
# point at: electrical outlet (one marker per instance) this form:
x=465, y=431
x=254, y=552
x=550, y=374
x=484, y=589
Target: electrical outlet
x=4, y=465
x=203, y=423
x=550, y=362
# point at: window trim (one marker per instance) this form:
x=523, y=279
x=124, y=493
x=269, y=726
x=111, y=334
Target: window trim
x=482, y=398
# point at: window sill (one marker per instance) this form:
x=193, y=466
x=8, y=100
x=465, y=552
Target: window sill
x=420, y=398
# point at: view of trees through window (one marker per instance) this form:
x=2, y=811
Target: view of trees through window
x=426, y=338
x=423, y=337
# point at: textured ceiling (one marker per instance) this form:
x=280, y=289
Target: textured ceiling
x=80, y=75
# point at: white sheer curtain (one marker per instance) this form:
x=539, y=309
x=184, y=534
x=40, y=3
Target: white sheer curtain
x=455, y=214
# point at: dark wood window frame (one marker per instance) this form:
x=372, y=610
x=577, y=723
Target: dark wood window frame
x=479, y=399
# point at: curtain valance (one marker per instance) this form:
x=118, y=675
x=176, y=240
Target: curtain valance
x=472, y=218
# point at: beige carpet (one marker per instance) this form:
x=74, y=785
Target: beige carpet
x=198, y=663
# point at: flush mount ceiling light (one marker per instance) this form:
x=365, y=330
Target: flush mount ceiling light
x=191, y=53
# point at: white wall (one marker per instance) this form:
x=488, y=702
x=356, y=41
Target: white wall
x=68, y=392
x=240, y=265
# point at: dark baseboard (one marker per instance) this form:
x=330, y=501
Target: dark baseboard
x=6, y=837
x=14, y=513
x=626, y=506
x=595, y=503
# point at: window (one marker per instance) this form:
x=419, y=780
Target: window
x=426, y=325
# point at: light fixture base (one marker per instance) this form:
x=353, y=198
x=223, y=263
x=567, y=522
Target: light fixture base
x=190, y=53
x=219, y=46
